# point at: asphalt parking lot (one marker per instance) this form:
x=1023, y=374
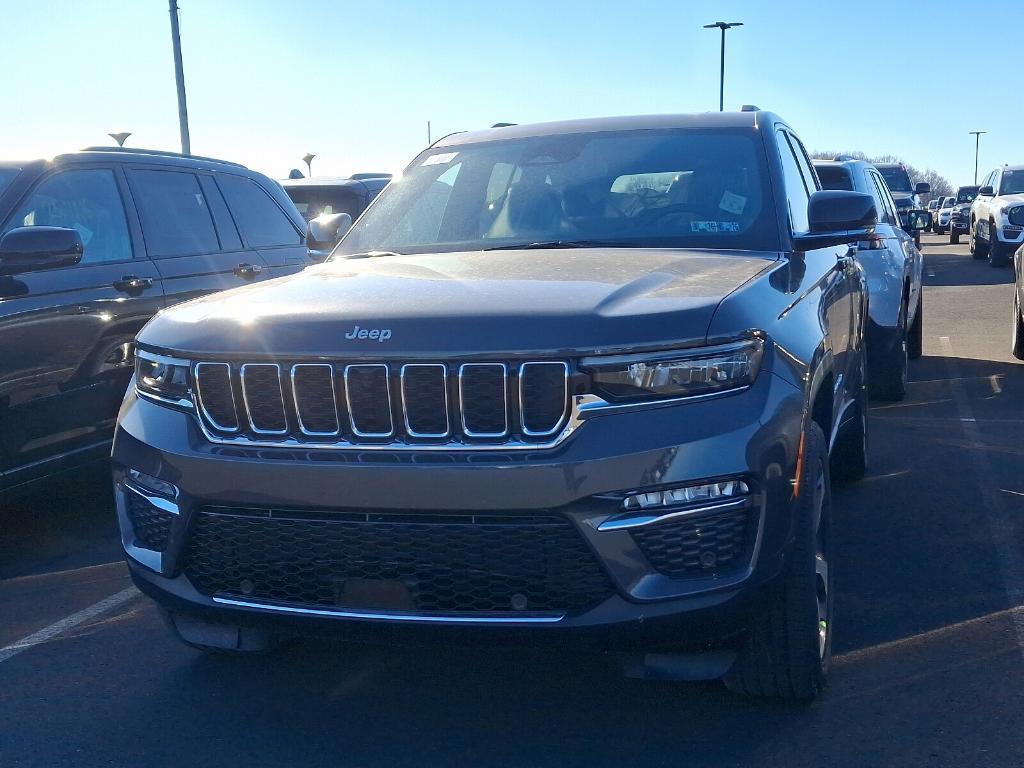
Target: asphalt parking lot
x=929, y=625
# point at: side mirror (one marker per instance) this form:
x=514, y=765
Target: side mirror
x=986, y=192
x=324, y=232
x=918, y=220
x=30, y=249
x=837, y=217
x=922, y=188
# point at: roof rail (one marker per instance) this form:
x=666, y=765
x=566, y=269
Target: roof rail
x=159, y=153
x=364, y=176
x=503, y=125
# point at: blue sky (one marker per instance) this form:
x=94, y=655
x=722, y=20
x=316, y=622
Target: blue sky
x=356, y=82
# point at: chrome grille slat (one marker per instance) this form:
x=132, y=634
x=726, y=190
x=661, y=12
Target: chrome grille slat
x=357, y=394
x=269, y=411
x=397, y=405
x=317, y=409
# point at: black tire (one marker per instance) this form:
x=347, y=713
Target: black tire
x=1017, y=345
x=979, y=250
x=915, y=339
x=849, y=461
x=787, y=654
x=917, y=238
x=954, y=238
x=888, y=376
x=998, y=254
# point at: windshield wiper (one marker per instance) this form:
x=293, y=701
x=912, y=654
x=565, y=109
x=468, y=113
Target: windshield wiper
x=369, y=254
x=544, y=244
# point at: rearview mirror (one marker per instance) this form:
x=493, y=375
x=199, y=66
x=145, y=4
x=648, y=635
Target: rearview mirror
x=918, y=220
x=837, y=217
x=30, y=249
x=986, y=192
x=324, y=232
x=922, y=188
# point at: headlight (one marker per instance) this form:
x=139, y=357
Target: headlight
x=161, y=377
x=1015, y=215
x=682, y=373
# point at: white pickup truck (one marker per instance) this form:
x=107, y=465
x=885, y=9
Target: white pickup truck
x=997, y=216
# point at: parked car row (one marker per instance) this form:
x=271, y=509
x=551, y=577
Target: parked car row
x=997, y=216
x=584, y=382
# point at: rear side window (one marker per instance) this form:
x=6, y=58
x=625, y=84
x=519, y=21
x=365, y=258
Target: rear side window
x=316, y=202
x=176, y=218
x=261, y=222
x=834, y=177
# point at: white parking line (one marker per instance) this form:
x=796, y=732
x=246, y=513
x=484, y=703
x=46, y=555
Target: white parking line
x=1000, y=522
x=48, y=633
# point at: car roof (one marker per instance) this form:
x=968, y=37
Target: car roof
x=601, y=124
x=322, y=181
x=851, y=164
x=889, y=165
x=1013, y=168
x=151, y=156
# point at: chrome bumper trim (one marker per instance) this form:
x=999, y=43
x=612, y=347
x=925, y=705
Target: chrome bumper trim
x=641, y=519
x=385, y=616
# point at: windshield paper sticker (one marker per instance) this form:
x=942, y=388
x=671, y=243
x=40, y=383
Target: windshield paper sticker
x=714, y=227
x=442, y=159
x=733, y=203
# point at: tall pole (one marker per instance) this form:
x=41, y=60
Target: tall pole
x=721, y=76
x=179, y=79
x=977, y=143
x=429, y=142
x=722, y=25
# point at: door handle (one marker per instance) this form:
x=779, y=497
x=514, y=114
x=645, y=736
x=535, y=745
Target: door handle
x=133, y=284
x=247, y=270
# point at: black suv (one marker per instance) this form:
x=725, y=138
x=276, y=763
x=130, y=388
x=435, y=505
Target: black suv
x=93, y=244
x=323, y=195
x=573, y=382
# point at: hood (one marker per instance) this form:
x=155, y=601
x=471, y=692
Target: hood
x=1008, y=201
x=442, y=304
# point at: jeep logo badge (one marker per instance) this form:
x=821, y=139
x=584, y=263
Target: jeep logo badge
x=378, y=334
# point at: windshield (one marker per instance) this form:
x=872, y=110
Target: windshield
x=834, y=177
x=1012, y=182
x=654, y=188
x=949, y=202
x=896, y=178
x=313, y=202
x=966, y=195
x=7, y=175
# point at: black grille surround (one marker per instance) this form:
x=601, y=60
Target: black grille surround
x=423, y=563
x=394, y=403
x=707, y=545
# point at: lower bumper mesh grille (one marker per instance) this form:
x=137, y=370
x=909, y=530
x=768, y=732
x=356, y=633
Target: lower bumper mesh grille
x=152, y=526
x=703, y=546
x=395, y=562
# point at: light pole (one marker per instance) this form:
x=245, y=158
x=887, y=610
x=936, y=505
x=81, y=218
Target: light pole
x=308, y=160
x=722, y=25
x=179, y=79
x=977, y=143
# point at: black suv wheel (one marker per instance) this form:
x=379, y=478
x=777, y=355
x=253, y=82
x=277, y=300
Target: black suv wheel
x=788, y=652
x=1018, y=327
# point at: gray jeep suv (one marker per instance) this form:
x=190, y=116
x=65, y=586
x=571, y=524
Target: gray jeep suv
x=573, y=382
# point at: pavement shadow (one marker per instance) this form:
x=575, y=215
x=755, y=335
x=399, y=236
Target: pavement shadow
x=949, y=265
x=915, y=538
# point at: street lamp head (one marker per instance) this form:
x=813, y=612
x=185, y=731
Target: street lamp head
x=723, y=25
x=120, y=137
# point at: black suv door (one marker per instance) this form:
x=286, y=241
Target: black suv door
x=66, y=333
x=263, y=224
x=189, y=233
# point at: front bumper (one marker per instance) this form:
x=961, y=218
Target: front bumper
x=753, y=434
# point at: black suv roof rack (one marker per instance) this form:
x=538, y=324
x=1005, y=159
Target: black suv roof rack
x=160, y=153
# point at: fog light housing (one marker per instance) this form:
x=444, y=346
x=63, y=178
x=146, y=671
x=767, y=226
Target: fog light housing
x=153, y=484
x=690, y=494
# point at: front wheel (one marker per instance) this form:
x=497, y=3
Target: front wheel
x=915, y=341
x=788, y=652
x=888, y=373
x=1018, y=327
x=954, y=238
x=979, y=250
x=998, y=254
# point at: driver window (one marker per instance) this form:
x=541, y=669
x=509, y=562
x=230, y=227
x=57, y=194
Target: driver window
x=797, y=195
